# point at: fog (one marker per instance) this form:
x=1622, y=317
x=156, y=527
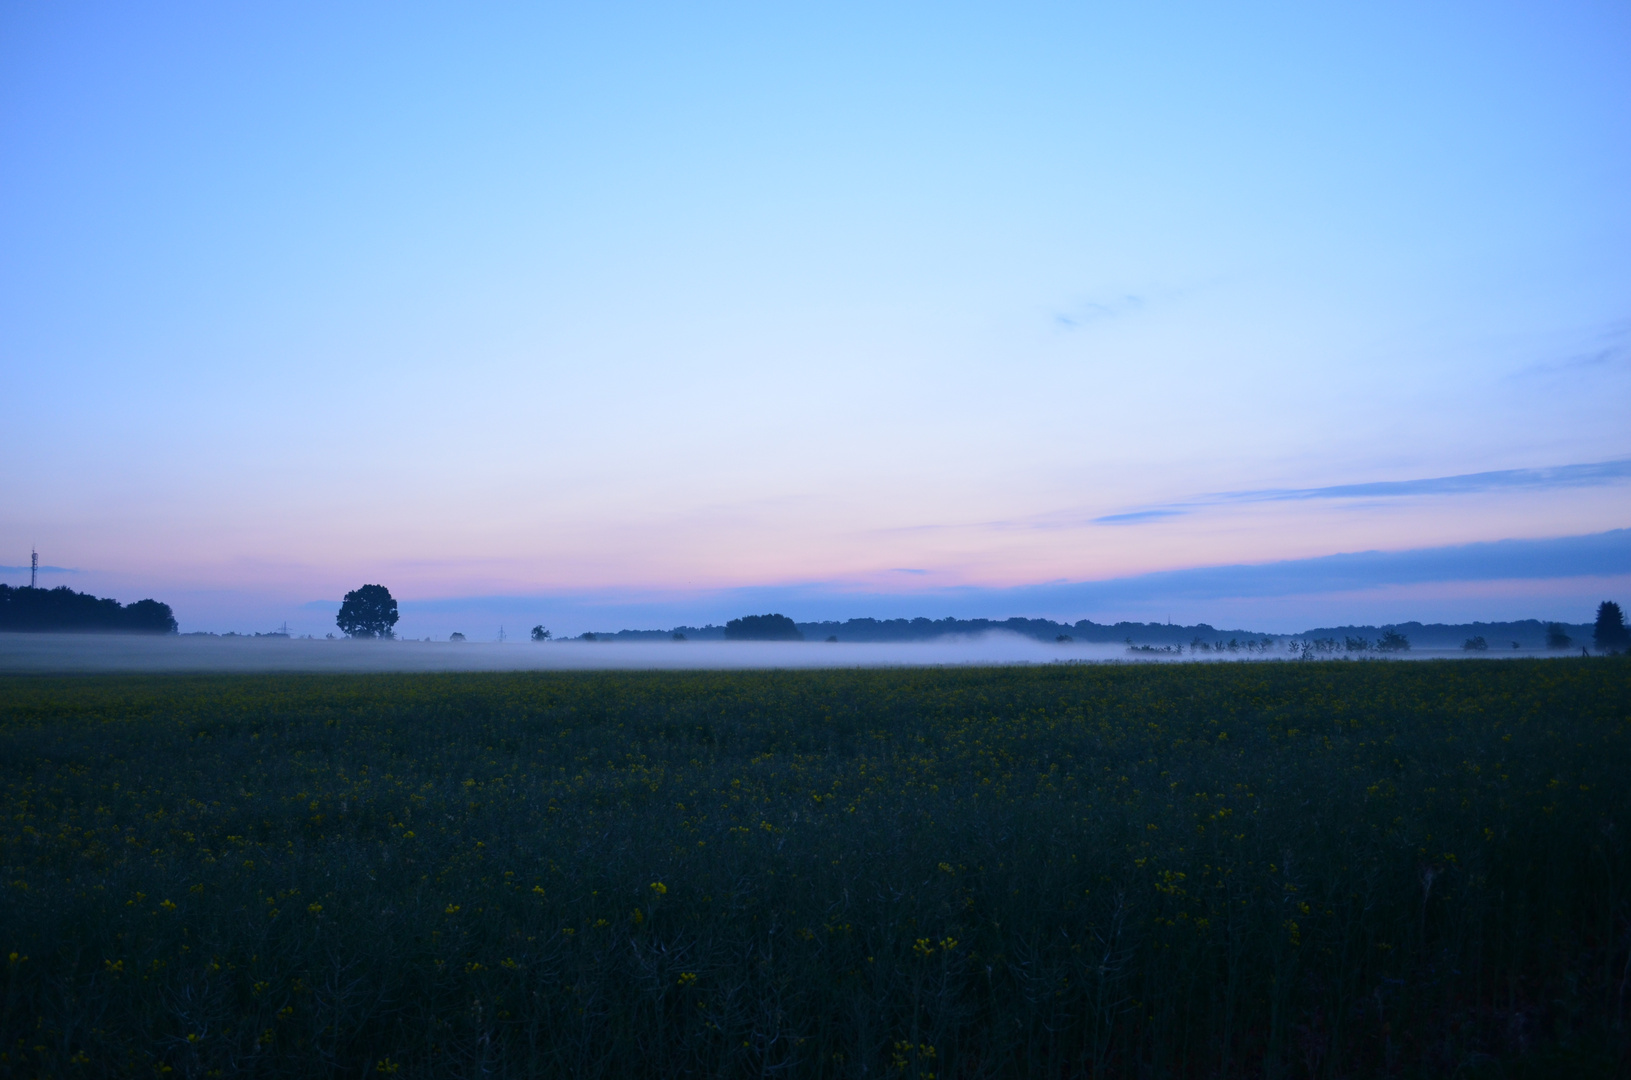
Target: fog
x=91, y=653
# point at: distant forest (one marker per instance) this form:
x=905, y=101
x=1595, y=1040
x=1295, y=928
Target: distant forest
x=921, y=629
x=62, y=609
x=1528, y=633
x=1524, y=634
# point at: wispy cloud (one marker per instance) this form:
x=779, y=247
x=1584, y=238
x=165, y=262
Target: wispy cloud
x=1134, y=516
x=1605, y=554
x=1091, y=311
x=1613, y=350
x=1561, y=476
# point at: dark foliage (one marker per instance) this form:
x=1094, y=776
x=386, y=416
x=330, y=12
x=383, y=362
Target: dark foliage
x=1557, y=637
x=762, y=628
x=1525, y=633
x=1083, y=630
x=1315, y=869
x=1610, y=633
x=1528, y=633
x=368, y=612
x=1392, y=641
x=61, y=608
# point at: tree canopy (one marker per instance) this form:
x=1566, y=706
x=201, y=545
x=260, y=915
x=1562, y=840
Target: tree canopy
x=1393, y=641
x=762, y=628
x=368, y=612
x=1610, y=633
x=63, y=609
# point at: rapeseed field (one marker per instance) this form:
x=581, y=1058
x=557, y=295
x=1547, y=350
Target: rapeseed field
x=1287, y=869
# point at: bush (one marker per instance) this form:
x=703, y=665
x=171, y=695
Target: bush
x=1475, y=644
x=1393, y=641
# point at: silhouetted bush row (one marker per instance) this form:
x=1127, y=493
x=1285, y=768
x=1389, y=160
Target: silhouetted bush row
x=58, y=609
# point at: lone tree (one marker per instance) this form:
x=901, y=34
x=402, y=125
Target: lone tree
x=1610, y=633
x=762, y=628
x=539, y=633
x=1557, y=637
x=368, y=612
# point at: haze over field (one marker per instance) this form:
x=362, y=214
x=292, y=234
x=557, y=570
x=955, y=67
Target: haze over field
x=90, y=653
x=635, y=315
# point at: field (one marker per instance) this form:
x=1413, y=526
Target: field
x=1290, y=869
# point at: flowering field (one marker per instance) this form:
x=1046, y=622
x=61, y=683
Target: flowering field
x=1310, y=869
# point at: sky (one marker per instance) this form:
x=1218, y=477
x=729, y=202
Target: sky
x=628, y=315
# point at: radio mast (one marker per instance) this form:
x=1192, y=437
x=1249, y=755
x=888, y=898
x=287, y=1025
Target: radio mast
x=33, y=567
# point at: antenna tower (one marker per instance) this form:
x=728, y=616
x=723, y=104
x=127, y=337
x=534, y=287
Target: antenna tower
x=33, y=567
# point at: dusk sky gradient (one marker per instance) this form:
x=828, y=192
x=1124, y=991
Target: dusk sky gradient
x=627, y=315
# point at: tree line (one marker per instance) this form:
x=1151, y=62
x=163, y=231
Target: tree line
x=25, y=608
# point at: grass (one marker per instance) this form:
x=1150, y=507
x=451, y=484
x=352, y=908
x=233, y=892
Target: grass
x=1309, y=869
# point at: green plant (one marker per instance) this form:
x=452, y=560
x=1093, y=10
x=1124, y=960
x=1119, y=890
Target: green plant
x=1185, y=870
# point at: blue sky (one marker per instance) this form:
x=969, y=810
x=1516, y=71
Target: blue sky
x=639, y=309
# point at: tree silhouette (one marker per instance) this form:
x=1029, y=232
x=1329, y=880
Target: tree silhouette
x=762, y=628
x=61, y=608
x=368, y=612
x=1557, y=637
x=1393, y=641
x=1610, y=633
x=539, y=633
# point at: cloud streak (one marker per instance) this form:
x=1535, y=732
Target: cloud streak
x=1605, y=554
x=1095, y=311
x=1545, y=479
